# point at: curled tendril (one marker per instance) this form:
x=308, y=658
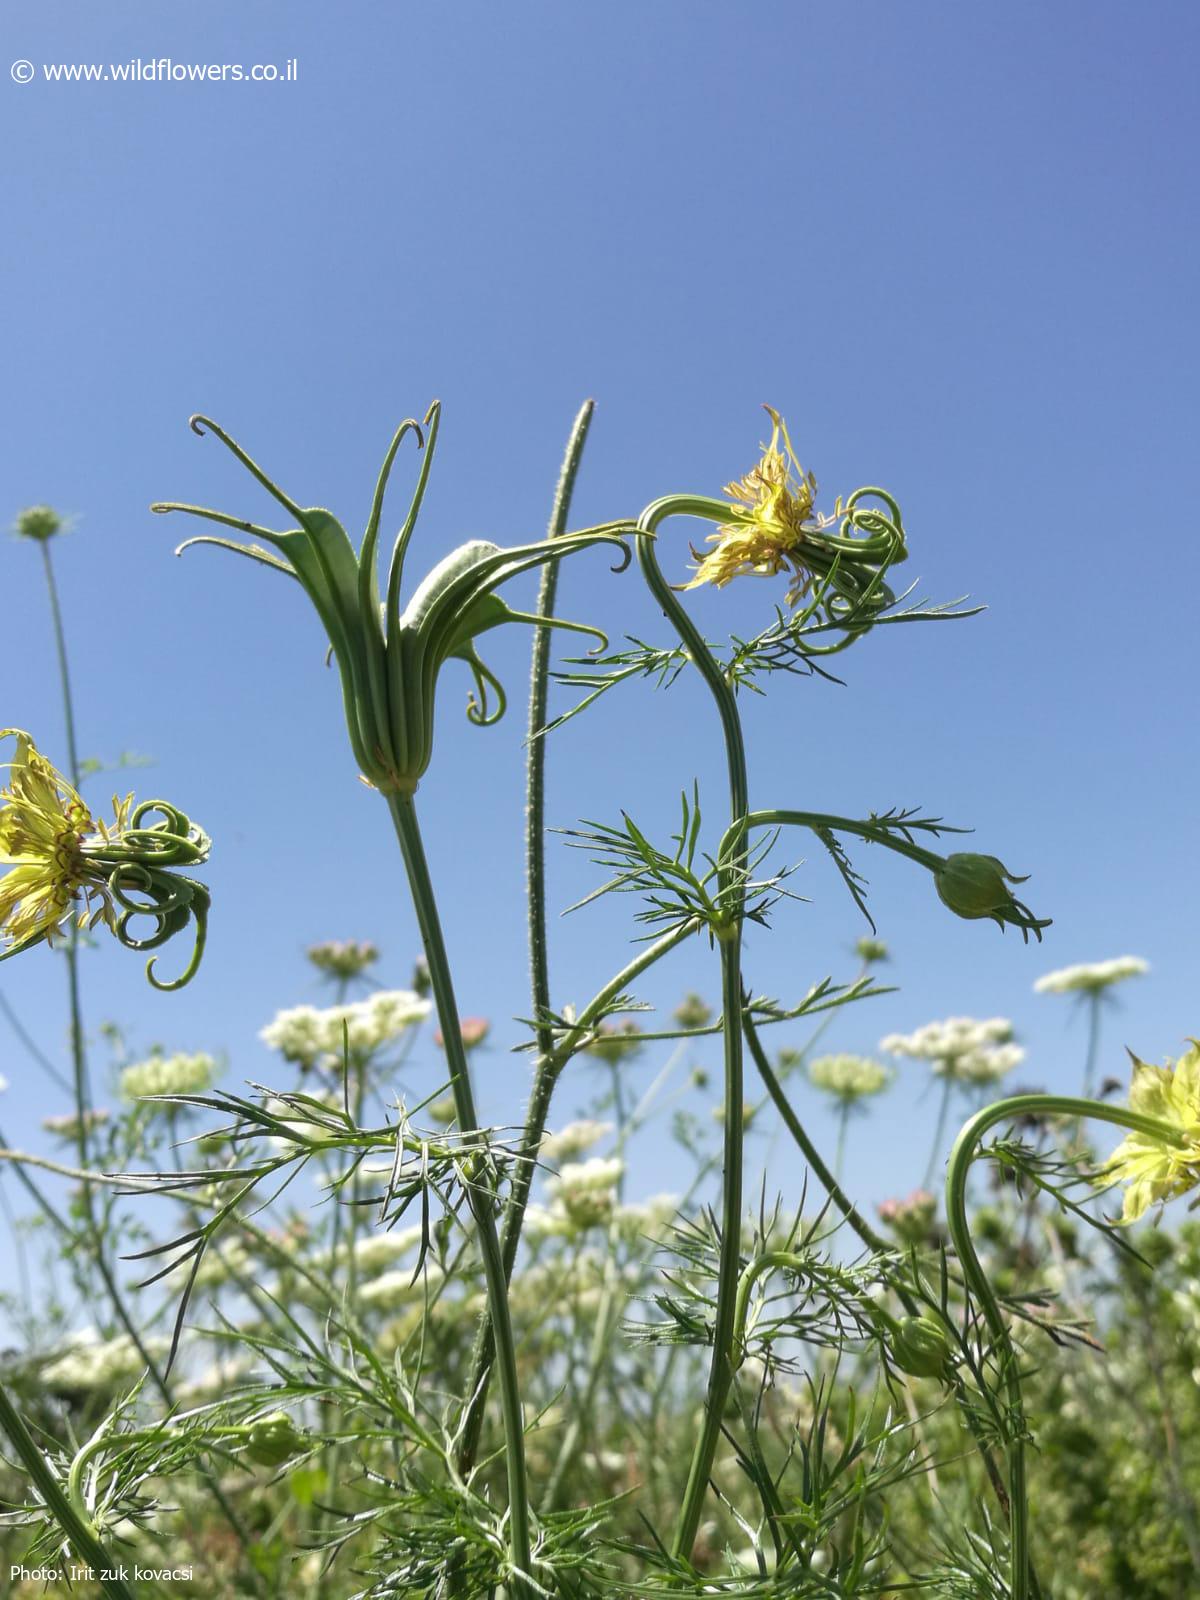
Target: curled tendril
x=477, y=705
x=172, y=901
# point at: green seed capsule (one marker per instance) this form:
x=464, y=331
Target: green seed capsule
x=974, y=886
x=919, y=1346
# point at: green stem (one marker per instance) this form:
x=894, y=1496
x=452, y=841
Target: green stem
x=720, y=1375
x=80, y=1077
x=481, y=1196
x=839, y=1157
x=546, y=1074
x=873, y=1241
x=64, y=672
x=854, y=1217
x=1095, y=1001
x=79, y=1531
x=939, y=1131
x=961, y=1157
x=546, y=1071
x=535, y=765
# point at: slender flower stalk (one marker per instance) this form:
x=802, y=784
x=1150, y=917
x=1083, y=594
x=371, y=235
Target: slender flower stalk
x=549, y=1066
x=480, y=1193
x=729, y=882
x=1156, y=1132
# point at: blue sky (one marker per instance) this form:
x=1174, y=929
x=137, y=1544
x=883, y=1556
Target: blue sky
x=953, y=245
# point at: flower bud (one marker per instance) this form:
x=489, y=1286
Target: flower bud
x=38, y=522
x=274, y=1439
x=974, y=886
x=919, y=1346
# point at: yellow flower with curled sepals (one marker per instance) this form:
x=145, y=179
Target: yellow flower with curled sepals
x=63, y=863
x=773, y=528
x=1155, y=1170
x=43, y=824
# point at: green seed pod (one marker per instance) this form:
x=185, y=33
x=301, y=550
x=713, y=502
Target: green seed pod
x=919, y=1346
x=274, y=1439
x=975, y=886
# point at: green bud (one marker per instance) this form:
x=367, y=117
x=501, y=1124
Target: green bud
x=274, y=1439
x=871, y=950
x=919, y=1346
x=975, y=886
x=38, y=522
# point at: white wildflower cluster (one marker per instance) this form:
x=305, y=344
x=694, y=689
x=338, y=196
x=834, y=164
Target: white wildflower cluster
x=848, y=1077
x=574, y=1139
x=582, y=1195
x=962, y=1048
x=313, y=1036
x=572, y=1282
x=394, y=1289
x=214, y=1381
x=647, y=1219
x=90, y=1362
x=176, y=1074
x=299, y=1119
x=1091, y=977
x=66, y=1126
x=342, y=958
x=380, y=1250
x=224, y=1262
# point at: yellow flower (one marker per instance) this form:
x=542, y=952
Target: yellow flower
x=773, y=515
x=43, y=824
x=64, y=862
x=1153, y=1169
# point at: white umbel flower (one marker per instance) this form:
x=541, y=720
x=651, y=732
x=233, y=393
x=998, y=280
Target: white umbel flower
x=314, y=1036
x=848, y=1077
x=586, y=1191
x=1091, y=977
x=90, y=1362
x=963, y=1048
x=574, y=1139
x=393, y=1289
x=175, y=1074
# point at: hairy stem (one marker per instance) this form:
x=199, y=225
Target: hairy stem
x=545, y=1074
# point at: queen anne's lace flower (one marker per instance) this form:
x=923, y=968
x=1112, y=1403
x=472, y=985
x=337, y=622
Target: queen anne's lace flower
x=175, y=1074
x=574, y=1139
x=394, y=1289
x=585, y=1192
x=848, y=1077
x=90, y=1362
x=380, y=1250
x=342, y=958
x=963, y=1048
x=312, y=1036
x=1091, y=977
